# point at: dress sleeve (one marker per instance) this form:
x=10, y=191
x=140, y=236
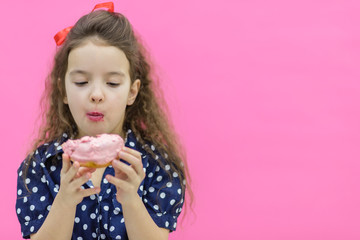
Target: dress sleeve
x=163, y=196
x=32, y=207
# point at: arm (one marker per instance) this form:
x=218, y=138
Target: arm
x=127, y=179
x=59, y=223
x=139, y=224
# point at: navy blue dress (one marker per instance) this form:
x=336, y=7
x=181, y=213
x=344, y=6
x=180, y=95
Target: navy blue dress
x=98, y=216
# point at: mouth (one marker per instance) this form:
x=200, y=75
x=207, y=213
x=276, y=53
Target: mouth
x=95, y=116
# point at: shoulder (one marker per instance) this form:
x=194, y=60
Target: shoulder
x=44, y=152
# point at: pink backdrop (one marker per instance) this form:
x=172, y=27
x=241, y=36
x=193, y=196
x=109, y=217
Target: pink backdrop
x=265, y=95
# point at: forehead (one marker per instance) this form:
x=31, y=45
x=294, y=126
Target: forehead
x=97, y=58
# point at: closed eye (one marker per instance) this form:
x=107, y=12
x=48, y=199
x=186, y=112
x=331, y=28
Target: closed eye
x=81, y=83
x=113, y=84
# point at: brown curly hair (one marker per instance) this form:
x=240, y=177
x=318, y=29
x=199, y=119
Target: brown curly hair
x=147, y=116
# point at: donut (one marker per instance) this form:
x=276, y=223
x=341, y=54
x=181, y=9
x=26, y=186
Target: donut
x=94, y=152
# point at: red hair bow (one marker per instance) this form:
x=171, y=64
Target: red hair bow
x=60, y=36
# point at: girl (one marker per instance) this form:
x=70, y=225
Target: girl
x=101, y=83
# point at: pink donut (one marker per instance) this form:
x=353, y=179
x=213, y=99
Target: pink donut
x=94, y=152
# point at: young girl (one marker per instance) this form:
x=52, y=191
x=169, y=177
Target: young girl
x=101, y=83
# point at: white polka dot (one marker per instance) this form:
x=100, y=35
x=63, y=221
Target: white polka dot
x=118, y=237
x=105, y=181
x=145, y=200
x=167, y=167
x=103, y=236
x=48, y=207
x=32, y=207
x=93, y=216
x=27, y=181
x=26, y=223
x=162, y=195
x=40, y=216
x=172, y=202
x=157, y=169
x=85, y=226
x=169, y=184
x=100, y=217
x=18, y=211
x=108, y=191
x=106, y=208
x=184, y=182
x=175, y=174
x=43, y=179
x=106, y=226
x=49, y=155
x=52, y=168
x=27, y=218
x=32, y=229
x=151, y=189
x=33, y=171
x=35, y=189
x=141, y=188
x=20, y=173
x=174, y=225
x=34, y=164
x=83, y=207
x=19, y=192
x=77, y=219
x=92, y=197
x=116, y=210
x=156, y=207
x=159, y=214
x=153, y=147
x=166, y=224
x=25, y=199
x=122, y=220
x=150, y=175
x=42, y=198
x=93, y=235
x=144, y=170
x=179, y=191
x=159, y=178
x=79, y=238
x=132, y=144
x=112, y=228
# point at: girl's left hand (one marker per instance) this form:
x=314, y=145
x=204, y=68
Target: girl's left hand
x=127, y=178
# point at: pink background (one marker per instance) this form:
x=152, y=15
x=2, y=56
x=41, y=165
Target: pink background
x=265, y=95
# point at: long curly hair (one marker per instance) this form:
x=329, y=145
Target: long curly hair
x=148, y=116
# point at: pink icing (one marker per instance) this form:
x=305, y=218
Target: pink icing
x=101, y=149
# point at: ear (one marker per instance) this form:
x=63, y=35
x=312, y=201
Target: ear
x=134, y=90
x=65, y=100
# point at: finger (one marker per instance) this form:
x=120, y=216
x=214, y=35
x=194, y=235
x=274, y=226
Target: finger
x=118, y=182
x=90, y=191
x=72, y=171
x=83, y=170
x=65, y=163
x=137, y=154
x=122, y=167
x=133, y=160
x=78, y=182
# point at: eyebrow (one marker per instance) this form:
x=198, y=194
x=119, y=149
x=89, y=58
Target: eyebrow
x=73, y=72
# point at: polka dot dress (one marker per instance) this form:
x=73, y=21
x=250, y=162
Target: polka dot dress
x=97, y=216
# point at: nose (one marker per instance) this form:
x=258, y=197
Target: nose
x=96, y=95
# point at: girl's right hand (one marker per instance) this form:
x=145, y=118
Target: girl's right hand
x=71, y=179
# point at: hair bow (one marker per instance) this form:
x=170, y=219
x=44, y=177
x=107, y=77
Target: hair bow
x=60, y=36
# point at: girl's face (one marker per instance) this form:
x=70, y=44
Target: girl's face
x=98, y=88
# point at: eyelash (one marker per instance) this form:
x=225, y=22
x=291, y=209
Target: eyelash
x=110, y=83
